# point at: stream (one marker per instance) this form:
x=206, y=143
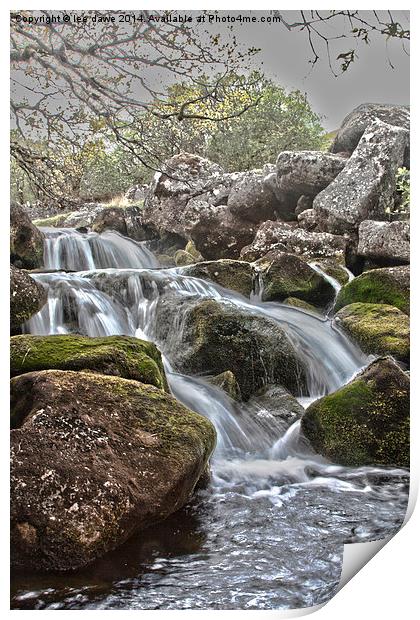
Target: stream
x=268, y=532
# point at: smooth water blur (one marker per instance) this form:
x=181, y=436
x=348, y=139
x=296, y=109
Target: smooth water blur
x=269, y=530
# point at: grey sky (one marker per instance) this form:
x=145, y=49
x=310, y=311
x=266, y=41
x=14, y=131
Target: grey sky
x=371, y=79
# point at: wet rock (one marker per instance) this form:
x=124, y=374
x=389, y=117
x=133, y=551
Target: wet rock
x=275, y=401
x=226, y=381
x=286, y=275
x=27, y=297
x=366, y=422
x=307, y=172
x=299, y=303
x=355, y=123
x=377, y=328
x=385, y=241
x=365, y=189
x=94, y=459
x=218, y=233
x=389, y=285
x=289, y=238
x=217, y=337
x=334, y=269
x=26, y=240
x=234, y=275
x=122, y=356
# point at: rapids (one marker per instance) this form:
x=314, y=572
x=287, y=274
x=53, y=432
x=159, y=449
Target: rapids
x=269, y=531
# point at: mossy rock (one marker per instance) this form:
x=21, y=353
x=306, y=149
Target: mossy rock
x=191, y=249
x=26, y=240
x=93, y=459
x=377, y=328
x=182, y=258
x=234, y=275
x=286, y=275
x=366, y=422
x=216, y=337
x=299, y=303
x=122, y=356
x=227, y=382
x=389, y=285
x=55, y=221
x=27, y=297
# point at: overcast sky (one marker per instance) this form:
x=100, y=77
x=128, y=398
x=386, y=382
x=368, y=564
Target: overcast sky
x=371, y=79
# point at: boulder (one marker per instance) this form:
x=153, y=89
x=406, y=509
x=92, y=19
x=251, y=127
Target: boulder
x=218, y=233
x=389, y=285
x=355, y=123
x=122, y=356
x=302, y=305
x=226, y=381
x=385, y=241
x=110, y=218
x=26, y=240
x=27, y=297
x=289, y=238
x=216, y=337
x=366, y=422
x=365, y=189
x=234, y=275
x=307, y=172
x=308, y=219
x=377, y=328
x=286, y=275
x=93, y=459
x=55, y=221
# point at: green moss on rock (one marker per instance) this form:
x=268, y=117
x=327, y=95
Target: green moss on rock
x=286, y=275
x=227, y=382
x=334, y=269
x=366, y=422
x=182, y=258
x=55, y=221
x=390, y=285
x=299, y=303
x=93, y=459
x=122, y=356
x=234, y=275
x=377, y=328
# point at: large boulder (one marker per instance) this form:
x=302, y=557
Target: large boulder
x=122, y=356
x=365, y=188
x=26, y=240
x=285, y=275
x=218, y=233
x=385, y=241
x=27, y=297
x=231, y=274
x=377, y=328
x=289, y=238
x=389, y=285
x=355, y=123
x=216, y=337
x=366, y=422
x=93, y=459
x=110, y=218
x=307, y=172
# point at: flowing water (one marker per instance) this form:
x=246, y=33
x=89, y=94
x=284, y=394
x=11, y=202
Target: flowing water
x=269, y=531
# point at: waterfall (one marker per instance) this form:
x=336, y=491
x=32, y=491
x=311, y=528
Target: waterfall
x=273, y=504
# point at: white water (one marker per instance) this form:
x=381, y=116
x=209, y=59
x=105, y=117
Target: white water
x=265, y=475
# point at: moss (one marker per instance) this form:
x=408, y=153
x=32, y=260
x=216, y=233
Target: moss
x=227, y=382
x=334, y=269
x=365, y=422
x=55, y=221
x=286, y=275
x=191, y=249
x=299, y=303
x=377, y=286
x=113, y=355
x=377, y=328
x=183, y=258
x=234, y=275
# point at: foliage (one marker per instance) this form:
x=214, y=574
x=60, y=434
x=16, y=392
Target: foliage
x=402, y=179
